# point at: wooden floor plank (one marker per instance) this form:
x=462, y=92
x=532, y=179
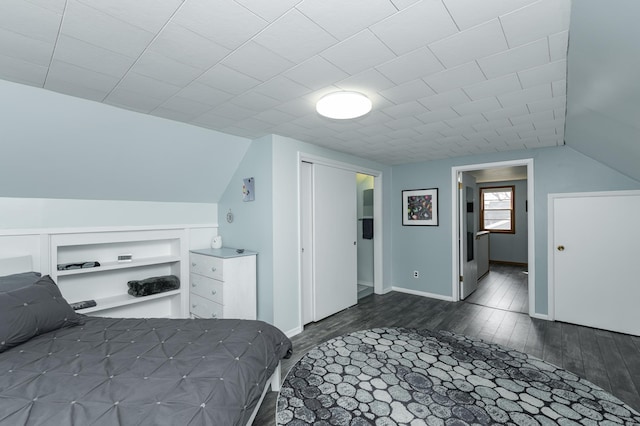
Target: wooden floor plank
x=535, y=339
x=631, y=357
x=504, y=287
x=595, y=370
x=571, y=351
x=619, y=375
x=520, y=334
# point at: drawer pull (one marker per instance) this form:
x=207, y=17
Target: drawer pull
x=193, y=305
x=213, y=269
x=193, y=264
x=213, y=315
x=213, y=292
x=193, y=284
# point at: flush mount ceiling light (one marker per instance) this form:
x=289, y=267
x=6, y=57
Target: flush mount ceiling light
x=343, y=105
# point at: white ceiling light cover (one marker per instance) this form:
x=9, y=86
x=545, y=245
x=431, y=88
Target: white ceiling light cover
x=343, y=105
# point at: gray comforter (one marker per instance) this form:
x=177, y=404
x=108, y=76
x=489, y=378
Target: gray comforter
x=140, y=372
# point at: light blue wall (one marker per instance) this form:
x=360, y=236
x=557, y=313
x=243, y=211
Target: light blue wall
x=252, y=225
x=603, y=94
x=426, y=249
x=556, y=170
x=286, y=258
x=37, y=213
x=511, y=247
x=58, y=146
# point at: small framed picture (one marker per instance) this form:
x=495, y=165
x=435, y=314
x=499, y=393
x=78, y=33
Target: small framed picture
x=248, y=189
x=420, y=207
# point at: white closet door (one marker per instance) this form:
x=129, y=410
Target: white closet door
x=595, y=250
x=334, y=234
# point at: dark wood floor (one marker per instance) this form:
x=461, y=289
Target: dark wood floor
x=610, y=360
x=504, y=287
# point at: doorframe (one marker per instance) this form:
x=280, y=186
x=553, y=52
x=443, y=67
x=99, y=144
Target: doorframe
x=455, y=232
x=378, y=267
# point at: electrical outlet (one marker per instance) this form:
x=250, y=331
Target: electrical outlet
x=416, y=274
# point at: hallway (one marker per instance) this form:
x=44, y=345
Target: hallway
x=504, y=287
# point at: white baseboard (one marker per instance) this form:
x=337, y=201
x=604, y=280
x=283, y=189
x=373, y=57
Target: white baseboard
x=541, y=316
x=365, y=283
x=422, y=293
x=386, y=290
x=293, y=332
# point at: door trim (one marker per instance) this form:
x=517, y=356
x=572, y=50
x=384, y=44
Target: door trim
x=455, y=253
x=378, y=250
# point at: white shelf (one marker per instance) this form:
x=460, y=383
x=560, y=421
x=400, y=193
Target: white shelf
x=155, y=252
x=109, y=266
x=125, y=299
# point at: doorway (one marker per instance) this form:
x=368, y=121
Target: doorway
x=488, y=175
x=365, y=188
x=338, y=203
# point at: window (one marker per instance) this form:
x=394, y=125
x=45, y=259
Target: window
x=497, y=209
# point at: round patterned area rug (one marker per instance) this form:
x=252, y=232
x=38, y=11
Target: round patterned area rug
x=396, y=376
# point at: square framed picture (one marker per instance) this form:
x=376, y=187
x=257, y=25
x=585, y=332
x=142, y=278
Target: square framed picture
x=420, y=207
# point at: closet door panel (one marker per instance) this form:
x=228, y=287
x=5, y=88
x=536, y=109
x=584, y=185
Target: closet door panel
x=335, y=236
x=594, y=250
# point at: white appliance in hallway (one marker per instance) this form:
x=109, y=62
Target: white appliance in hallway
x=329, y=271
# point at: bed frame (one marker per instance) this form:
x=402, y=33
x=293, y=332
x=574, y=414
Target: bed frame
x=275, y=383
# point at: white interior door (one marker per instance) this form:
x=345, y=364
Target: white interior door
x=468, y=246
x=595, y=247
x=334, y=240
x=306, y=235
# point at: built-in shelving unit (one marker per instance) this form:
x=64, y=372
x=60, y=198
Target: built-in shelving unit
x=153, y=253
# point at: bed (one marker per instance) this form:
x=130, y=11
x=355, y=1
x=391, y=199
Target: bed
x=60, y=367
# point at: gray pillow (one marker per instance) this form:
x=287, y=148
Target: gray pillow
x=16, y=281
x=30, y=311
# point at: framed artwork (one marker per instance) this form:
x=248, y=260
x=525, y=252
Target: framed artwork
x=420, y=207
x=248, y=189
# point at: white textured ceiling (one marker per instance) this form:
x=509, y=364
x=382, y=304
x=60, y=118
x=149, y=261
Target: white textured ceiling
x=447, y=77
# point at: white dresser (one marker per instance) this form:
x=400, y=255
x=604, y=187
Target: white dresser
x=222, y=283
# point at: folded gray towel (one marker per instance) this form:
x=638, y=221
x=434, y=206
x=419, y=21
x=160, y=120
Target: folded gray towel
x=153, y=285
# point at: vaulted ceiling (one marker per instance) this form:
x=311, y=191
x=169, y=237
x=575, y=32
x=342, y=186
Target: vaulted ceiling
x=447, y=77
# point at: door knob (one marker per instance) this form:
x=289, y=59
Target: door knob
x=560, y=248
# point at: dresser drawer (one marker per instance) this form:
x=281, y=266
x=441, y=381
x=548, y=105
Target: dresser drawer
x=207, y=287
x=204, y=308
x=208, y=266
